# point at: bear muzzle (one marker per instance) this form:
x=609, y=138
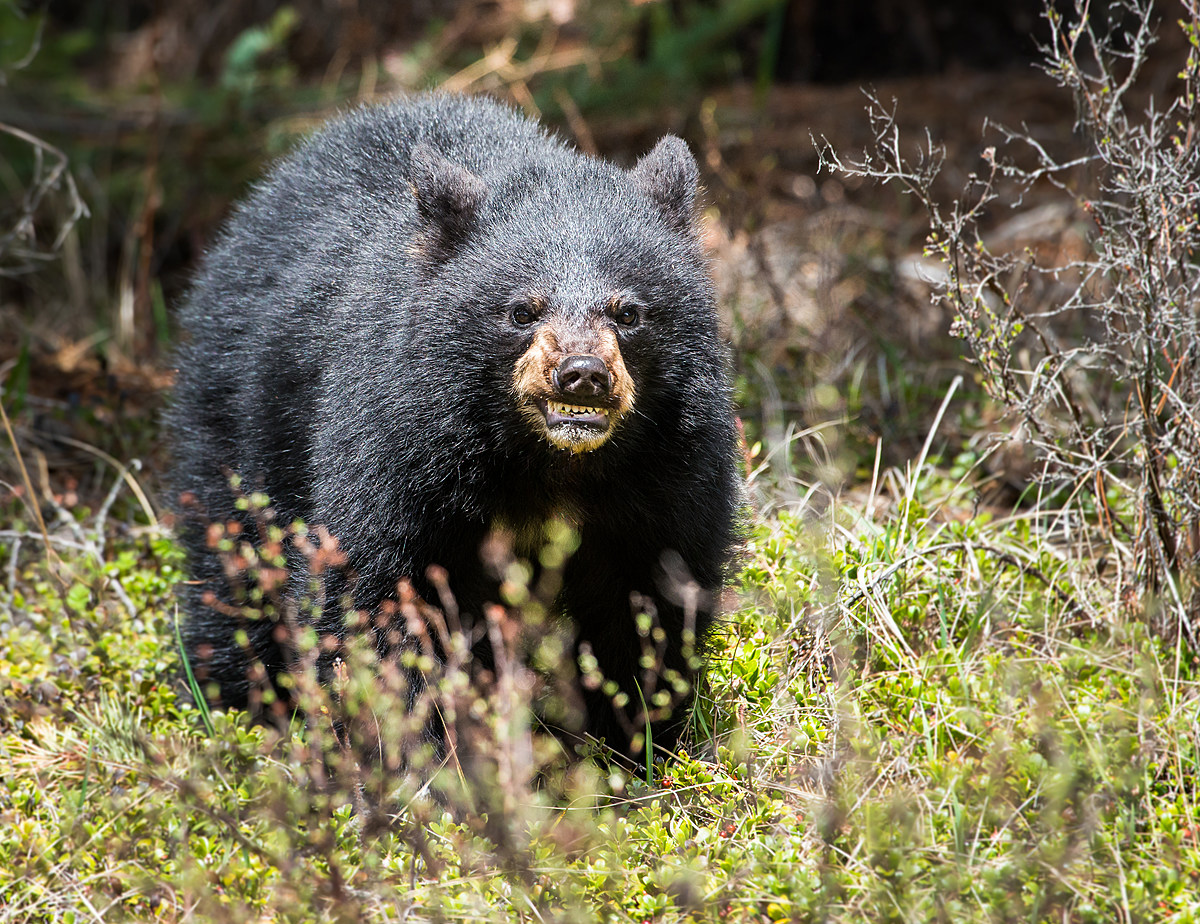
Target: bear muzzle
x=580, y=420
x=575, y=399
x=585, y=386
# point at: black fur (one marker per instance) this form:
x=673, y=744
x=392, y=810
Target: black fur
x=350, y=351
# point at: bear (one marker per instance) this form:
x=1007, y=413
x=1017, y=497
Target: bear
x=432, y=322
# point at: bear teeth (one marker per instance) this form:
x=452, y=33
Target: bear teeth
x=573, y=410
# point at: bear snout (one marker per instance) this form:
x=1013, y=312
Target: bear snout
x=582, y=375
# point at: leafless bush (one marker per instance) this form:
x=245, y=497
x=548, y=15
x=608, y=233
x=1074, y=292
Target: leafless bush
x=1094, y=352
x=41, y=203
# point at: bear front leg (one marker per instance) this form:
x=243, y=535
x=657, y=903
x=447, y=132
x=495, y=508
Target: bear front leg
x=636, y=647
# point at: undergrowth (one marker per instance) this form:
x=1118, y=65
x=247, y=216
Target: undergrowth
x=920, y=710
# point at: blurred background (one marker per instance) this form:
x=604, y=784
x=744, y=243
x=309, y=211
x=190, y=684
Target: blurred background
x=127, y=129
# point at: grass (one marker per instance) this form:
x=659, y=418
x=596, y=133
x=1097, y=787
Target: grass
x=919, y=711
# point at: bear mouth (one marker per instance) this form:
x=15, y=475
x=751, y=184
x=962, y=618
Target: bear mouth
x=577, y=427
x=558, y=413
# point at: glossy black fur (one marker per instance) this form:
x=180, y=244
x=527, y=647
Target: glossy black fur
x=350, y=350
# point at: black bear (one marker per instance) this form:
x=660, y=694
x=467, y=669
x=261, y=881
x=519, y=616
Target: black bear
x=433, y=321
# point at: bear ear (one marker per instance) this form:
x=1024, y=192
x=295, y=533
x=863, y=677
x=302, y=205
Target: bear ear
x=448, y=197
x=670, y=177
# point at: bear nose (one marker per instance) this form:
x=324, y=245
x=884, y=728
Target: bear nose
x=582, y=375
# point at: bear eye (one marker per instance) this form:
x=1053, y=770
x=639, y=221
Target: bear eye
x=626, y=315
x=524, y=314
